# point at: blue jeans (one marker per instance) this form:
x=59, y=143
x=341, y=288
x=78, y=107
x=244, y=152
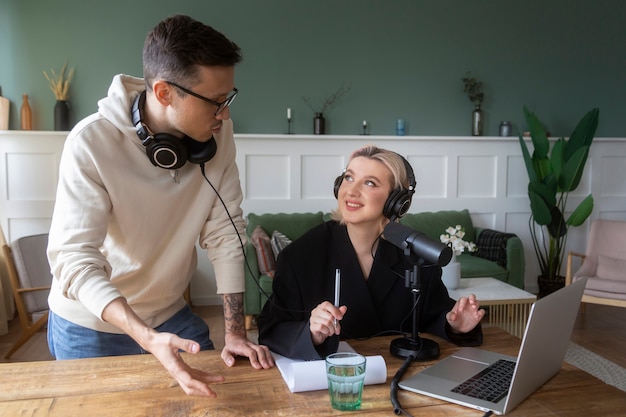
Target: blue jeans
x=67, y=340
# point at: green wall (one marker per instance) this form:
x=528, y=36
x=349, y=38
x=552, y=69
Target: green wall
x=401, y=58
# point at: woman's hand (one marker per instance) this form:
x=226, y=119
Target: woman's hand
x=465, y=315
x=324, y=321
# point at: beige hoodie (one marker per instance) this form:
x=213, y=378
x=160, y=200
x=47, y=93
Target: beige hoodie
x=122, y=226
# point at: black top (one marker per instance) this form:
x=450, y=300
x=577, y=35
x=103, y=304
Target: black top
x=305, y=277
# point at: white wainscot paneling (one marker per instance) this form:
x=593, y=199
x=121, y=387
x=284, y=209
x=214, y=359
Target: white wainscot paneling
x=484, y=220
x=431, y=175
x=516, y=177
x=267, y=177
x=295, y=173
x=613, y=171
x=477, y=176
x=318, y=183
x=31, y=176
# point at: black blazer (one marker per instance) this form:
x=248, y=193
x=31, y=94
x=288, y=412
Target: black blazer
x=305, y=277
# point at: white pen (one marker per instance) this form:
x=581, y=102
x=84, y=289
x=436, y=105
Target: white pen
x=337, y=287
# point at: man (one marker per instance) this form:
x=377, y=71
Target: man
x=140, y=182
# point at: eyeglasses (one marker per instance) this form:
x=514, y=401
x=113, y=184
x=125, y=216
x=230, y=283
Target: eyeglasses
x=220, y=105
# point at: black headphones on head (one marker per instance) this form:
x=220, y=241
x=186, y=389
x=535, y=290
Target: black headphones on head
x=399, y=200
x=165, y=150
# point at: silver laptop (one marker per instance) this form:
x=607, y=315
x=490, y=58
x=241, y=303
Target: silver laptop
x=459, y=378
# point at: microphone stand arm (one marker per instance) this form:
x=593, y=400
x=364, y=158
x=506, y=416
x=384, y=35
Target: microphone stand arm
x=418, y=348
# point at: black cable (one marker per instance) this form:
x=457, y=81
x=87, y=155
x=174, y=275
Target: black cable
x=393, y=394
x=243, y=251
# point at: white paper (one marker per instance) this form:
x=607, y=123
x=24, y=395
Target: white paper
x=302, y=375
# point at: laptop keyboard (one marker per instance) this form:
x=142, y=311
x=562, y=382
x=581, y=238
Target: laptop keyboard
x=491, y=384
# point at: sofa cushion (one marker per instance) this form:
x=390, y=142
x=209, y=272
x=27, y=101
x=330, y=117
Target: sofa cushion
x=611, y=268
x=434, y=224
x=279, y=242
x=610, y=288
x=492, y=245
x=264, y=252
x=292, y=225
x=475, y=267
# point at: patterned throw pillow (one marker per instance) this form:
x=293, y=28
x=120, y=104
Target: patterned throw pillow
x=264, y=253
x=279, y=242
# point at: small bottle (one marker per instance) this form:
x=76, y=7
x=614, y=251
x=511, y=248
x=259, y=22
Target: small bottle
x=505, y=129
x=4, y=112
x=26, y=114
x=400, y=127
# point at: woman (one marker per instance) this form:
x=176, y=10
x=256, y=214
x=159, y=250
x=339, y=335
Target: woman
x=301, y=321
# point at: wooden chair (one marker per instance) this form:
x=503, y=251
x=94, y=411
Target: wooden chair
x=30, y=277
x=603, y=263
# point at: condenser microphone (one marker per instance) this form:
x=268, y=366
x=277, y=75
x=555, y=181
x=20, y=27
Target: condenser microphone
x=428, y=249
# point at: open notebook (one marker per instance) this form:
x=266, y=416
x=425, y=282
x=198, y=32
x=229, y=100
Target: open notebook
x=461, y=378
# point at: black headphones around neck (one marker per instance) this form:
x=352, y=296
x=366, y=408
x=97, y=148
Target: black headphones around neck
x=399, y=200
x=165, y=150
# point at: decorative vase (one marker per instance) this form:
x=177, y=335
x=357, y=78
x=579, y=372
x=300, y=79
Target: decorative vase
x=451, y=274
x=319, y=127
x=477, y=121
x=62, y=115
x=4, y=112
x=26, y=115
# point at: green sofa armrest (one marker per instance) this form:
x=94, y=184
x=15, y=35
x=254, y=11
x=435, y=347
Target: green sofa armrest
x=515, y=261
x=252, y=302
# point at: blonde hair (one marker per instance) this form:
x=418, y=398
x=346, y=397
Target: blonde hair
x=394, y=163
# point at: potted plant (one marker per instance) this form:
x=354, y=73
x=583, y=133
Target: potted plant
x=59, y=84
x=319, y=127
x=553, y=174
x=474, y=90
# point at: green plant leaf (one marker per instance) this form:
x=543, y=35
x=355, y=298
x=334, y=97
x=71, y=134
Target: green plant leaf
x=582, y=212
x=538, y=205
x=542, y=166
x=573, y=170
x=532, y=175
x=556, y=157
x=557, y=227
x=548, y=190
x=583, y=133
x=538, y=134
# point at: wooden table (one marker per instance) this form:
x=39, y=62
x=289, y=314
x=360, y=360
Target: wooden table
x=139, y=386
x=509, y=306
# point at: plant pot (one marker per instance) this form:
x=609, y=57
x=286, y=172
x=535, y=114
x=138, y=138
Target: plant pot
x=62, y=115
x=547, y=285
x=477, y=121
x=451, y=274
x=319, y=124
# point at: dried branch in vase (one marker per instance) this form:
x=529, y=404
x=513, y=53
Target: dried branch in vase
x=60, y=83
x=330, y=100
x=474, y=89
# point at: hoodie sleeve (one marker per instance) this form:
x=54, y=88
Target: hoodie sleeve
x=223, y=235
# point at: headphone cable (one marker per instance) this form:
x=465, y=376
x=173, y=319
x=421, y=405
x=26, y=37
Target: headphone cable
x=243, y=251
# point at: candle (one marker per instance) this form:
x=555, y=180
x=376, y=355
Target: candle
x=288, y=113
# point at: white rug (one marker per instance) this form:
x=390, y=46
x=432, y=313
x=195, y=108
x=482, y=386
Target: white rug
x=596, y=365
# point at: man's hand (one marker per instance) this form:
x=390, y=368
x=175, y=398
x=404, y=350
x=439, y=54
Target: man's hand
x=465, y=315
x=237, y=345
x=164, y=346
x=235, y=341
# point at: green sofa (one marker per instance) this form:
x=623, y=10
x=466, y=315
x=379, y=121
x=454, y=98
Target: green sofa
x=500, y=255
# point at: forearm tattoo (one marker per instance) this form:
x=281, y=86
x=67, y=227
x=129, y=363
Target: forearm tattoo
x=233, y=313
